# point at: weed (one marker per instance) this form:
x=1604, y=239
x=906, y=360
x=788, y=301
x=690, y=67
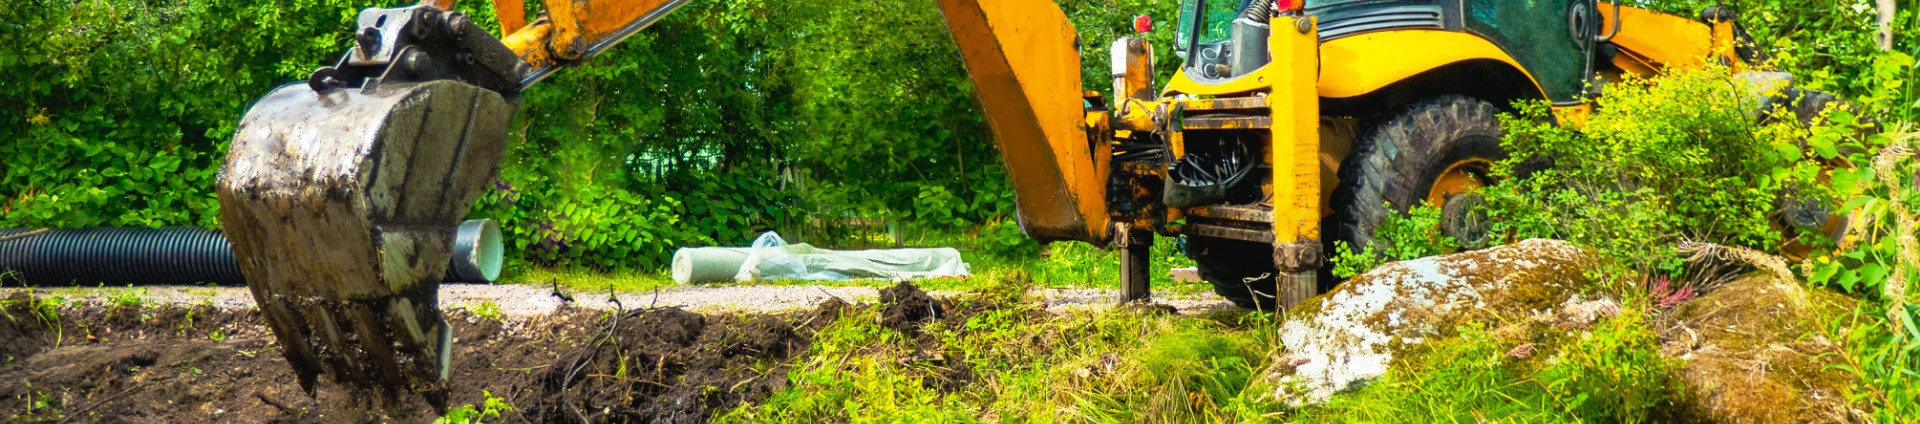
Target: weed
x=217, y=335
x=1885, y=355
x=41, y=406
x=186, y=322
x=1400, y=237
x=487, y=309
x=491, y=407
x=1664, y=295
x=128, y=299
x=47, y=311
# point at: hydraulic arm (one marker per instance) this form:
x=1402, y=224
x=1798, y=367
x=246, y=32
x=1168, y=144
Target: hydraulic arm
x=341, y=196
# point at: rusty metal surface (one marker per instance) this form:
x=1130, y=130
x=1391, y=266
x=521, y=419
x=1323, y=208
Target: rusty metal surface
x=1133, y=193
x=1248, y=213
x=1025, y=66
x=1247, y=103
x=1226, y=122
x=1303, y=255
x=1220, y=231
x=341, y=208
x=1132, y=70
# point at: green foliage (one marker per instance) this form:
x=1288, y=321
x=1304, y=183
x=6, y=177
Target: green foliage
x=119, y=110
x=1411, y=236
x=1612, y=373
x=1190, y=369
x=41, y=406
x=491, y=408
x=129, y=298
x=1882, y=349
x=1879, y=261
x=727, y=118
x=1025, y=366
x=1099, y=22
x=1673, y=158
x=1880, y=193
x=1829, y=46
x=487, y=309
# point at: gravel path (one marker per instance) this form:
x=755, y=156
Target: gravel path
x=527, y=300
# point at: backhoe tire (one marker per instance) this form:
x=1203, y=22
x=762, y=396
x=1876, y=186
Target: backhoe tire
x=1395, y=163
x=1240, y=271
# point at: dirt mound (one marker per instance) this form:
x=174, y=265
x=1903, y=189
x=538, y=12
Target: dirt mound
x=907, y=308
x=20, y=331
x=670, y=365
x=204, y=364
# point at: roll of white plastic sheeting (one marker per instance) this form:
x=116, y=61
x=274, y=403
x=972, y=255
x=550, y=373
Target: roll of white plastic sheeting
x=771, y=258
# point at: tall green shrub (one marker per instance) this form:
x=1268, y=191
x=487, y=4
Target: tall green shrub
x=118, y=112
x=1674, y=158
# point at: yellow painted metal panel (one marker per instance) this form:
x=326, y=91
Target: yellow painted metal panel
x=1664, y=40
x=512, y=15
x=1257, y=80
x=1295, y=107
x=1360, y=64
x=583, y=23
x=530, y=43
x=1026, y=71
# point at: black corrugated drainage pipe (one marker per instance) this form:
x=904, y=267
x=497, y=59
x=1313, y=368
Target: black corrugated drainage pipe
x=181, y=255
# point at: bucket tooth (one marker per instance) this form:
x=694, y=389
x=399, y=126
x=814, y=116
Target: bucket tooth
x=341, y=207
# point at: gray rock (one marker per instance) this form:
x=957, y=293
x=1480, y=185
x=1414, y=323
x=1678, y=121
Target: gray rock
x=1349, y=336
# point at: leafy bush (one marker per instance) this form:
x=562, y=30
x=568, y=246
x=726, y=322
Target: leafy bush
x=1673, y=158
x=119, y=111
x=1410, y=236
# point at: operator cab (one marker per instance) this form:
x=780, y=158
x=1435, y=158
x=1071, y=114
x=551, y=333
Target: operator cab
x=1221, y=40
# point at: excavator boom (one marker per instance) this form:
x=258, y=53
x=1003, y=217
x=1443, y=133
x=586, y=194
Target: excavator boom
x=341, y=196
x=1025, y=64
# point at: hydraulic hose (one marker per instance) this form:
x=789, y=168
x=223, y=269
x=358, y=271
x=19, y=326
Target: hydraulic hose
x=180, y=255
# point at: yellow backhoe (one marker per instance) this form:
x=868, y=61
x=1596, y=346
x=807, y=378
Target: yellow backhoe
x=340, y=195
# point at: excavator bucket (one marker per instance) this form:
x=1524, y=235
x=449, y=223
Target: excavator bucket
x=1024, y=59
x=341, y=206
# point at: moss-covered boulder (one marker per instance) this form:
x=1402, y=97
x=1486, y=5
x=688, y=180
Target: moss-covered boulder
x=1347, y=337
x=1757, y=350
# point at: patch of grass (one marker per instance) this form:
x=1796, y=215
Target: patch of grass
x=1060, y=265
x=1009, y=362
x=1069, y=264
x=583, y=279
x=129, y=298
x=1612, y=372
x=486, y=309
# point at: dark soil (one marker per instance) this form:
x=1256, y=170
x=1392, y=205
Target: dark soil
x=907, y=308
x=670, y=365
x=163, y=364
